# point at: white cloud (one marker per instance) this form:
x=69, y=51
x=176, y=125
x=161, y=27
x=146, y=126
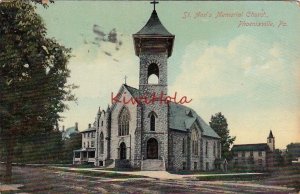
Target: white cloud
x=214, y=71
x=254, y=84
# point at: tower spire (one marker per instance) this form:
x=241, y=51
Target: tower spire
x=154, y=2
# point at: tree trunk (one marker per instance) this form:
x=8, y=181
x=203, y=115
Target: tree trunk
x=9, y=158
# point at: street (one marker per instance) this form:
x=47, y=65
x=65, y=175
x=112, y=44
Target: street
x=44, y=180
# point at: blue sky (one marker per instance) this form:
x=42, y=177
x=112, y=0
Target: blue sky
x=250, y=74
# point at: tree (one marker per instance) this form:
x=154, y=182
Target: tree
x=292, y=152
x=278, y=158
x=69, y=145
x=219, y=124
x=33, y=77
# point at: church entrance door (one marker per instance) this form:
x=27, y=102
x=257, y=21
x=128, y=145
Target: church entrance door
x=122, y=151
x=152, y=149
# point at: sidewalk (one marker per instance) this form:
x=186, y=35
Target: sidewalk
x=155, y=174
x=11, y=187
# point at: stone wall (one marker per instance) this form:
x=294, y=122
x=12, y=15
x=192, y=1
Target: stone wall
x=161, y=129
x=211, y=154
x=102, y=123
x=147, y=59
x=177, y=157
x=129, y=140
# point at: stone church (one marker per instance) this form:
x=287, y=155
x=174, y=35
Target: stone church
x=156, y=135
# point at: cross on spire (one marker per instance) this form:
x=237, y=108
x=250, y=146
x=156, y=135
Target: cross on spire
x=154, y=2
x=125, y=78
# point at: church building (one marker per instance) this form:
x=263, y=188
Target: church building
x=155, y=134
x=259, y=156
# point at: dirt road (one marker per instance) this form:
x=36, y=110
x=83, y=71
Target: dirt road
x=43, y=180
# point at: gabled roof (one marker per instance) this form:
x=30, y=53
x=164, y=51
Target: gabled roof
x=189, y=122
x=251, y=147
x=154, y=27
x=179, y=120
x=133, y=91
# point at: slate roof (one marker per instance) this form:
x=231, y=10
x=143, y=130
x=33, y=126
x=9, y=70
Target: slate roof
x=88, y=129
x=154, y=27
x=133, y=91
x=180, y=120
x=69, y=132
x=251, y=147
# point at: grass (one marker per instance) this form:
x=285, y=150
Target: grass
x=246, y=177
x=216, y=172
x=288, y=176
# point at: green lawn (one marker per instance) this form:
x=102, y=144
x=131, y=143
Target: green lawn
x=288, y=176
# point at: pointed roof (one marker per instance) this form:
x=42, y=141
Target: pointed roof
x=271, y=134
x=154, y=27
x=108, y=108
x=133, y=91
x=153, y=37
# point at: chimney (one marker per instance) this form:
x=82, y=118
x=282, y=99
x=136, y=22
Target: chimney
x=90, y=125
x=76, y=126
x=63, y=128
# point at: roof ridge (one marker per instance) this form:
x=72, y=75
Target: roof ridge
x=250, y=144
x=130, y=86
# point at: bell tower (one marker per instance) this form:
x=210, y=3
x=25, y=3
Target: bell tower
x=271, y=141
x=153, y=45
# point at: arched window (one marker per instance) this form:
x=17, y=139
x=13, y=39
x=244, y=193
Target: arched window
x=206, y=149
x=152, y=116
x=122, y=151
x=152, y=123
x=101, y=143
x=183, y=146
x=195, y=139
x=153, y=74
x=215, y=151
x=124, y=122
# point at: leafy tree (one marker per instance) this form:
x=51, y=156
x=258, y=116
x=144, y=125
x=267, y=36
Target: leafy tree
x=278, y=158
x=33, y=77
x=219, y=123
x=69, y=145
x=41, y=147
x=292, y=152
